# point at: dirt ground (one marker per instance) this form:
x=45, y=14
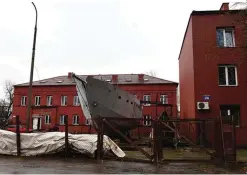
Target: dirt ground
x=52, y=165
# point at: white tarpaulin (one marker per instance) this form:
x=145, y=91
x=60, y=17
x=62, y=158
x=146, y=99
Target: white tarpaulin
x=33, y=144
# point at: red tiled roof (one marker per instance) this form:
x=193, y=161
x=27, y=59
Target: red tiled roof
x=122, y=79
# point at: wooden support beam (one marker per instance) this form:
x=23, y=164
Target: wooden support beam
x=155, y=143
x=202, y=133
x=159, y=142
x=127, y=139
x=100, y=140
x=66, y=136
x=18, y=136
x=169, y=120
x=185, y=138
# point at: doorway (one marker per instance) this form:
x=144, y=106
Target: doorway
x=37, y=121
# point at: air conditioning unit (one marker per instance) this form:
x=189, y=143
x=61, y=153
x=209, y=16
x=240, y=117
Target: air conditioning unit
x=202, y=105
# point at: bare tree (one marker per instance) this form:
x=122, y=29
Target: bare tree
x=151, y=73
x=7, y=102
x=242, y=20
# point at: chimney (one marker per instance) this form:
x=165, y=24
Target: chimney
x=114, y=78
x=70, y=74
x=141, y=77
x=224, y=6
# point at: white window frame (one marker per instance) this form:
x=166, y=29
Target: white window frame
x=64, y=99
x=224, y=35
x=74, y=120
x=165, y=97
x=76, y=101
x=24, y=98
x=37, y=100
x=144, y=99
x=226, y=74
x=63, y=119
x=47, y=119
x=147, y=120
x=49, y=100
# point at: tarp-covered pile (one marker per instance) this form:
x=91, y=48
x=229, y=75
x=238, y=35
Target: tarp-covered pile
x=33, y=144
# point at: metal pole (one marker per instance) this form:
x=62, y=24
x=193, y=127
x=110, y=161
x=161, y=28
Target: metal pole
x=31, y=73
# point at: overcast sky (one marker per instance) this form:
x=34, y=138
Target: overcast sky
x=94, y=37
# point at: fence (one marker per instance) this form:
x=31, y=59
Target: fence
x=172, y=131
x=204, y=129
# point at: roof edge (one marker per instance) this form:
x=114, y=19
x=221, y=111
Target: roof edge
x=206, y=12
x=172, y=83
x=215, y=12
x=185, y=35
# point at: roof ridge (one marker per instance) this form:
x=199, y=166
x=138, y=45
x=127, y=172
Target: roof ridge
x=162, y=79
x=68, y=81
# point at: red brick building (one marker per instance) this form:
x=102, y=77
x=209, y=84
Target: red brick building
x=213, y=69
x=55, y=97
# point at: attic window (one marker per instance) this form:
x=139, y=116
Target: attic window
x=128, y=80
x=59, y=81
x=108, y=80
x=43, y=81
x=145, y=79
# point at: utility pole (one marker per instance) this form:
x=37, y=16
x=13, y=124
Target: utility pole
x=31, y=73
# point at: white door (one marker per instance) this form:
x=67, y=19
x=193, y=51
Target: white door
x=37, y=123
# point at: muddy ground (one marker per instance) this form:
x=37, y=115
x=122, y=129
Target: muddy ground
x=51, y=165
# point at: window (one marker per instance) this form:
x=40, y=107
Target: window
x=37, y=101
x=225, y=37
x=146, y=99
x=75, y=120
x=63, y=100
x=49, y=100
x=62, y=119
x=163, y=99
x=23, y=101
x=229, y=111
x=47, y=119
x=76, y=101
x=227, y=75
x=147, y=120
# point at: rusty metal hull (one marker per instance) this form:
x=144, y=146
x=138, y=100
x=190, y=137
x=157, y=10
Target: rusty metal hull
x=105, y=100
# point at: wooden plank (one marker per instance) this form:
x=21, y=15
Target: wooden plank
x=18, y=136
x=184, y=137
x=66, y=137
x=100, y=141
x=127, y=139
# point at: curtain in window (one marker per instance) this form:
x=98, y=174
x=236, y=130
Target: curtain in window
x=231, y=76
x=229, y=38
x=61, y=119
x=220, y=38
x=222, y=76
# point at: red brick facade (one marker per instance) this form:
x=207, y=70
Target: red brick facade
x=200, y=73
x=69, y=90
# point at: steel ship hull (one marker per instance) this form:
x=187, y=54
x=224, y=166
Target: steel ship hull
x=100, y=99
